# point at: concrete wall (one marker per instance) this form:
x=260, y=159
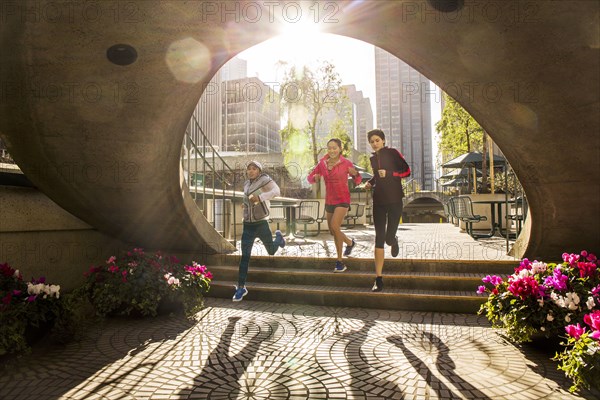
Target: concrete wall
x=39, y=238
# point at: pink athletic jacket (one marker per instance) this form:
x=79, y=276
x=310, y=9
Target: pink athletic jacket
x=336, y=180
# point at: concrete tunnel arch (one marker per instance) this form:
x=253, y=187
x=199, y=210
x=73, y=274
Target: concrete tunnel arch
x=508, y=70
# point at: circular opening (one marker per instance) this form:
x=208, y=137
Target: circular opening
x=121, y=54
x=446, y=5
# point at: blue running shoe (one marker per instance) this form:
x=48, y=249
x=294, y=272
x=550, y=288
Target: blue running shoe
x=279, y=239
x=240, y=293
x=349, y=248
x=339, y=267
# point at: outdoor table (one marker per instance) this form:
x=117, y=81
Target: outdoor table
x=290, y=218
x=496, y=226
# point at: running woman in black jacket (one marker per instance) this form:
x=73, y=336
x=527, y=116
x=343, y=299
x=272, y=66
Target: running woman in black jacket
x=389, y=167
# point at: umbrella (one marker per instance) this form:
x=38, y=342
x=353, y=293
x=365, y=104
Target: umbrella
x=455, y=182
x=473, y=158
x=463, y=172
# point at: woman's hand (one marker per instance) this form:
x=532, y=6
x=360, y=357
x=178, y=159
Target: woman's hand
x=317, y=177
x=352, y=171
x=254, y=199
x=368, y=186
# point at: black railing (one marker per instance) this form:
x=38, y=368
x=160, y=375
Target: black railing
x=210, y=180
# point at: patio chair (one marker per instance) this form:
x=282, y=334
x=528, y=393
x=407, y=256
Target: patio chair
x=463, y=209
x=519, y=214
x=356, y=211
x=307, y=213
x=277, y=215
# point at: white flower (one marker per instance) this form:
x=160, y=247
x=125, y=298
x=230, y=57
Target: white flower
x=17, y=274
x=538, y=267
x=543, y=328
x=550, y=317
x=592, y=349
x=558, y=299
x=523, y=273
x=572, y=297
x=568, y=318
x=590, y=303
x=541, y=302
x=55, y=290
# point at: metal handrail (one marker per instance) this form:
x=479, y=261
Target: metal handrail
x=199, y=150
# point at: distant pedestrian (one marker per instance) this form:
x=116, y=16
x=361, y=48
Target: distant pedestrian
x=335, y=169
x=258, y=190
x=389, y=167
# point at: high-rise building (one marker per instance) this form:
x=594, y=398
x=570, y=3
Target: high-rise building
x=362, y=117
x=236, y=68
x=207, y=115
x=356, y=115
x=250, y=116
x=404, y=113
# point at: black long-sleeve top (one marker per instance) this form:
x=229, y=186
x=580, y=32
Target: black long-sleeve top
x=388, y=190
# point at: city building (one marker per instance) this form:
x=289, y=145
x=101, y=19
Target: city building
x=250, y=116
x=356, y=114
x=404, y=113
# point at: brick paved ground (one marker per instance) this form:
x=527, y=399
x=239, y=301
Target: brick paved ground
x=254, y=350
x=417, y=241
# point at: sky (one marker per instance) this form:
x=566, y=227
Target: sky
x=354, y=59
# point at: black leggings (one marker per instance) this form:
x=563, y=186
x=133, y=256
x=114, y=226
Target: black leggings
x=386, y=214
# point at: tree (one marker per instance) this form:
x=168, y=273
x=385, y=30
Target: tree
x=305, y=95
x=338, y=130
x=460, y=133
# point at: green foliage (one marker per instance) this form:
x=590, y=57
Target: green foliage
x=305, y=95
x=551, y=299
x=460, y=133
x=580, y=361
x=26, y=306
x=339, y=131
x=364, y=160
x=139, y=283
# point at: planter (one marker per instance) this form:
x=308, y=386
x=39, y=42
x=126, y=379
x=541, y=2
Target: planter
x=168, y=306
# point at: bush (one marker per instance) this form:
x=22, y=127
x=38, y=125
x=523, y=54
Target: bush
x=551, y=299
x=25, y=307
x=139, y=283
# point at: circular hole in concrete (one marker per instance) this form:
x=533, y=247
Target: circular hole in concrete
x=121, y=54
x=447, y=5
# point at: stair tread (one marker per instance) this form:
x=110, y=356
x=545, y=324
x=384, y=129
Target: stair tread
x=354, y=289
x=395, y=274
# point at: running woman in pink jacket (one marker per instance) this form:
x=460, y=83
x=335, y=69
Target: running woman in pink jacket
x=334, y=169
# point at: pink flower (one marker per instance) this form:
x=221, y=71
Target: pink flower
x=575, y=331
x=113, y=268
x=595, y=335
x=586, y=269
x=593, y=320
x=523, y=287
x=481, y=289
x=32, y=298
x=111, y=260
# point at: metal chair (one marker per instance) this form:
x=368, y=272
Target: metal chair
x=463, y=209
x=277, y=215
x=356, y=211
x=307, y=213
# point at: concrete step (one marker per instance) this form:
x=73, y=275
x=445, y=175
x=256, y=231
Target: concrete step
x=391, y=299
x=479, y=267
x=353, y=278
x=415, y=285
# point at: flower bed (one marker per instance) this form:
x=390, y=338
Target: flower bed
x=24, y=307
x=139, y=283
x=552, y=299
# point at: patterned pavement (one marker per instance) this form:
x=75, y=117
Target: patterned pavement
x=417, y=241
x=256, y=350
